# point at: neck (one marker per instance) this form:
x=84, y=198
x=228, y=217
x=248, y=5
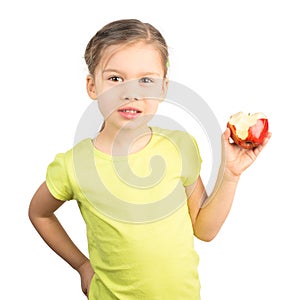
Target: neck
x=122, y=141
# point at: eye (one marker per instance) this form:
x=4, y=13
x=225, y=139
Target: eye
x=146, y=80
x=115, y=78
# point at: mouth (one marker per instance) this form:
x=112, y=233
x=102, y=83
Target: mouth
x=129, y=112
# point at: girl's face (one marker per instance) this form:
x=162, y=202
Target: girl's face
x=128, y=83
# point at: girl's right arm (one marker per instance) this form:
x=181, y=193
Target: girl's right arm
x=41, y=213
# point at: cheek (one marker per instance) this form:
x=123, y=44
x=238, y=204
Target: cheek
x=101, y=87
x=107, y=106
x=154, y=91
x=151, y=106
x=109, y=100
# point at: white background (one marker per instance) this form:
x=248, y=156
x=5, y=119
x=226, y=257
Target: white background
x=238, y=55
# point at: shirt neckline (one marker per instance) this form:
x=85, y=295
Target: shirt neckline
x=107, y=156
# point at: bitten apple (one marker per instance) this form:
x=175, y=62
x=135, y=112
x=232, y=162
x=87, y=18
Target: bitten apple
x=248, y=130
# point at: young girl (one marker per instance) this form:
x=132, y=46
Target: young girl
x=138, y=187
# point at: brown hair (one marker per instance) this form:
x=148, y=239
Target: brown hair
x=124, y=32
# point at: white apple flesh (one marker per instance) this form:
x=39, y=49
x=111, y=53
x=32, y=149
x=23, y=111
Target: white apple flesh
x=248, y=130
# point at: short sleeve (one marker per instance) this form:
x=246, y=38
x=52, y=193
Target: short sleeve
x=191, y=160
x=57, y=179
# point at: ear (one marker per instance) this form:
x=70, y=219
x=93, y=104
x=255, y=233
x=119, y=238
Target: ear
x=90, y=87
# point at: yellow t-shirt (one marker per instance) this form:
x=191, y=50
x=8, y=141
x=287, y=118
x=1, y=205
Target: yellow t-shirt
x=140, y=236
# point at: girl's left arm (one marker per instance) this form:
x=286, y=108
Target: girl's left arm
x=209, y=213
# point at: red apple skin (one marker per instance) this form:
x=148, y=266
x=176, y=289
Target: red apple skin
x=256, y=134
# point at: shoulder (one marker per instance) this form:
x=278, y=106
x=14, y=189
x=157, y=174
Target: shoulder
x=84, y=145
x=179, y=137
x=185, y=143
x=61, y=175
x=66, y=158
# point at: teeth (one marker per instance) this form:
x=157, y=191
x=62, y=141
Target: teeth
x=130, y=111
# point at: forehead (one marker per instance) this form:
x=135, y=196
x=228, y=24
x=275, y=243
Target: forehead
x=126, y=56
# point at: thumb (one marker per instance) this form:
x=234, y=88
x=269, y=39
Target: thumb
x=226, y=134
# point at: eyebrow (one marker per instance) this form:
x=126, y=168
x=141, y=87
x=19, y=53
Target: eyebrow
x=140, y=75
x=110, y=70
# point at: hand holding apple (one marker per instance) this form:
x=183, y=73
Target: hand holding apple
x=248, y=130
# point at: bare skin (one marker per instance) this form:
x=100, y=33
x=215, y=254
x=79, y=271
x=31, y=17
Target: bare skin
x=207, y=213
x=41, y=213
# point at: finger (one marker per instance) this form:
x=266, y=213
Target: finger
x=258, y=149
x=226, y=134
x=266, y=140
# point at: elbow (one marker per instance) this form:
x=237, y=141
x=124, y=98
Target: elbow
x=31, y=214
x=205, y=236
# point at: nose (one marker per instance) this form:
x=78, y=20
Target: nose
x=131, y=98
x=131, y=91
